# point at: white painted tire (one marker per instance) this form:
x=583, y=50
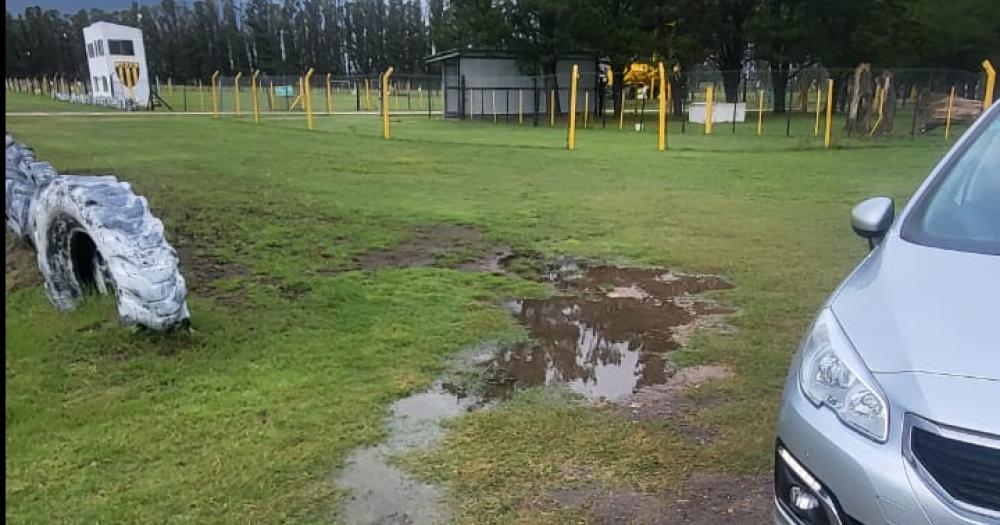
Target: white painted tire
x=94, y=232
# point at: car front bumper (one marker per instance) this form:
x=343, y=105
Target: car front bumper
x=865, y=482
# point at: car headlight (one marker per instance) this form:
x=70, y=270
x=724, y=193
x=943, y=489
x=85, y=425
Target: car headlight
x=832, y=374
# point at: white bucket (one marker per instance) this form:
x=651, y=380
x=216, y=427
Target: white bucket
x=638, y=126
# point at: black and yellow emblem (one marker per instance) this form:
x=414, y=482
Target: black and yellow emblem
x=128, y=75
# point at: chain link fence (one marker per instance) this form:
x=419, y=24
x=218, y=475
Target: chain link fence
x=756, y=100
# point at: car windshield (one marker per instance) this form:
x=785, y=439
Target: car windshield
x=961, y=209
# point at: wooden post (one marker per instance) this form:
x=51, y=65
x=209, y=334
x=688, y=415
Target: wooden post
x=520, y=107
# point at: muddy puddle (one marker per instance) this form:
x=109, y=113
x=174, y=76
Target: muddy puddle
x=606, y=334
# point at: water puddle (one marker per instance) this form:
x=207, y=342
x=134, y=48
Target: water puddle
x=606, y=334
x=380, y=492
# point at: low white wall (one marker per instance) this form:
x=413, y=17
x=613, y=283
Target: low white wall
x=721, y=112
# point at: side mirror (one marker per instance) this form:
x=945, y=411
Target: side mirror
x=871, y=218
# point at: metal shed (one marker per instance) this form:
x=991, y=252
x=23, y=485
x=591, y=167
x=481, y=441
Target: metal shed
x=478, y=82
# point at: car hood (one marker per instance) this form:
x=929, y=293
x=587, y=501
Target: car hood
x=948, y=400
x=911, y=308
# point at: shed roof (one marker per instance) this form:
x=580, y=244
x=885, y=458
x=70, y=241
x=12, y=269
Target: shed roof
x=496, y=53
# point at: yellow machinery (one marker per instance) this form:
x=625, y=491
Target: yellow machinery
x=640, y=73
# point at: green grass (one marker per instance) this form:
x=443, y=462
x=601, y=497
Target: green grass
x=248, y=417
x=24, y=102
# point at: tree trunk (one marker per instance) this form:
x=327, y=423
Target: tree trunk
x=888, y=104
x=859, y=112
x=552, y=83
x=731, y=85
x=679, y=92
x=932, y=111
x=779, y=81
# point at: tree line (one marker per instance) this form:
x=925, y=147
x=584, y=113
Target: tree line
x=188, y=41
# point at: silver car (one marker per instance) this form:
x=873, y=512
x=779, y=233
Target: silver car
x=891, y=409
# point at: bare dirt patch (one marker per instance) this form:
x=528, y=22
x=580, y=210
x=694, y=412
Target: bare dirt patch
x=21, y=265
x=450, y=245
x=667, y=400
x=705, y=499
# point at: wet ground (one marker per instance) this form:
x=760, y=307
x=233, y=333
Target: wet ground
x=380, y=492
x=608, y=332
x=706, y=499
x=450, y=245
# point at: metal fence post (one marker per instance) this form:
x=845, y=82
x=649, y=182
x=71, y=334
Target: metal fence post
x=571, y=138
x=828, y=137
x=215, y=96
x=386, y=132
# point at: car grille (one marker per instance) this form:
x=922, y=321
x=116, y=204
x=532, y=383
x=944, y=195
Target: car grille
x=968, y=472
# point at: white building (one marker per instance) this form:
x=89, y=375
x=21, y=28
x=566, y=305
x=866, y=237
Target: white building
x=477, y=82
x=108, y=44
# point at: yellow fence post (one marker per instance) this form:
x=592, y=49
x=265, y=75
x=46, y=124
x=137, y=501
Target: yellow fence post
x=552, y=108
x=215, y=95
x=880, y=100
x=951, y=107
x=709, y=108
x=329, y=95
x=520, y=107
x=253, y=95
x=386, y=131
x=760, y=112
x=307, y=94
x=828, y=134
x=236, y=91
x=621, y=111
x=819, y=104
x=991, y=80
x=571, y=137
x=661, y=135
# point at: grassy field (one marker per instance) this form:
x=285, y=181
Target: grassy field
x=296, y=354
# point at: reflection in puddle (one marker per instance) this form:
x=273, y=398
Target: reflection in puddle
x=606, y=335
x=380, y=492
